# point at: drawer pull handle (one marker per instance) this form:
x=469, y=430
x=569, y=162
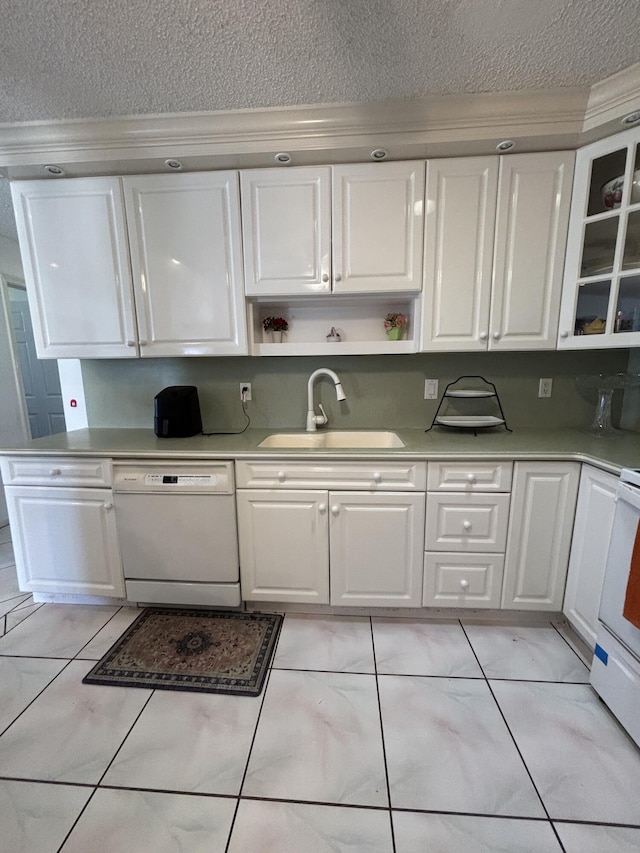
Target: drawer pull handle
x=467, y=525
x=55, y=472
x=377, y=477
x=282, y=476
x=464, y=584
x=471, y=478
x=108, y=507
x=335, y=509
x=322, y=507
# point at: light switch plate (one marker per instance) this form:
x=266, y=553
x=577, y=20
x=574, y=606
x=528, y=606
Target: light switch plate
x=430, y=389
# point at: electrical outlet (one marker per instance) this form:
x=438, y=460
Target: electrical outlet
x=430, y=389
x=245, y=391
x=544, y=388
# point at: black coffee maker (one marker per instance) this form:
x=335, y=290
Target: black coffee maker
x=177, y=412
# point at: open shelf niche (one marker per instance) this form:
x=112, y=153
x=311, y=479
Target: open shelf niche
x=358, y=320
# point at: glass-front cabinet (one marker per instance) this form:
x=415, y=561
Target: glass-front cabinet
x=601, y=289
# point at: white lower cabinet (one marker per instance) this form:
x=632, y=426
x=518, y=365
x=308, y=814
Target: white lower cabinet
x=543, y=502
x=65, y=540
x=358, y=547
x=462, y=580
x=587, y=563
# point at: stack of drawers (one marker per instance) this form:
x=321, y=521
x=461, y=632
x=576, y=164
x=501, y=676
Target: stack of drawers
x=466, y=533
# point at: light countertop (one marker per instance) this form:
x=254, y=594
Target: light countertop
x=439, y=444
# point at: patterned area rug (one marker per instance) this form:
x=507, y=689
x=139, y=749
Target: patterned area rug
x=211, y=651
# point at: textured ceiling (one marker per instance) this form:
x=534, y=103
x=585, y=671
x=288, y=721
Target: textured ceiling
x=99, y=58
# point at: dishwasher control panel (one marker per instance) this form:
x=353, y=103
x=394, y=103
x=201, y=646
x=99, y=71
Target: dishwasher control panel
x=204, y=477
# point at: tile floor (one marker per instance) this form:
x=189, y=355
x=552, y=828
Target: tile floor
x=373, y=735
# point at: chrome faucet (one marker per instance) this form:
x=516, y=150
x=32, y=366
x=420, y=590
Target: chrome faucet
x=314, y=421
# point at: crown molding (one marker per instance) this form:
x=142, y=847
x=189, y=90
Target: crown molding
x=416, y=127
x=612, y=98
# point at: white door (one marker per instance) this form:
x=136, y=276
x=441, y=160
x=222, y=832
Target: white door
x=65, y=540
x=73, y=243
x=286, y=222
x=543, y=502
x=459, y=229
x=534, y=197
x=284, y=545
x=378, y=227
x=589, y=548
x=377, y=544
x=40, y=378
x=186, y=256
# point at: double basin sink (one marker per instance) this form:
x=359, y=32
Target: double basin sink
x=346, y=439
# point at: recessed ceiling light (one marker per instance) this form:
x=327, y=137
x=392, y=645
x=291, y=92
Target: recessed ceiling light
x=54, y=170
x=631, y=118
x=379, y=154
x=283, y=158
x=506, y=145
x=174, y=164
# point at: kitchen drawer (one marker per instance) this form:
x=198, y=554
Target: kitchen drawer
x=462, y=580
x=55, y=471
x=475, y=476
x=473, y=522
x=409, y=476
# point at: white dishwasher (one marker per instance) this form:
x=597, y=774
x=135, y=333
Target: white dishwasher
x=177, y=530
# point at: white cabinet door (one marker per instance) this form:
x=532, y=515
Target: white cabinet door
x=543, y=502
x=589, y=548
x=286, y=221
x=73, y=243
x=186, y=256
x=378, y=227
x=284, y=545
x=376, y=549
x=460, y=219
x=65, y=540
x=534, y=197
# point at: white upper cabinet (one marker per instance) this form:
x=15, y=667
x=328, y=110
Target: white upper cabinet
x=377, y=227
x=186, y=257
x=73, y=242
x=494, y=249
x=601, y=290
x=286, y=218
x=459, y=223
x=534, y=197
x=342, y=229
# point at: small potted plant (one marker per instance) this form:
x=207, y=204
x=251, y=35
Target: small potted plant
x=276, y=327
x=394, y=325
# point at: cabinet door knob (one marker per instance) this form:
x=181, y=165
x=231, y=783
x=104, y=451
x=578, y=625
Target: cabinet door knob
x=377, y=477
x=131, y=343
x=55, y=472
x=466, y=525
x=496, y=336
x=322, y=507
x=325, y=276
x=335, y=509
x=108, y=506
x=464, y=584
x=471, y=478
x=564, y=334
x=483, y=336
x=338, y=277
x=282, y=476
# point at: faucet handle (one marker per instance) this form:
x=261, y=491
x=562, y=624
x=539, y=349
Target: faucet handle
x=322, y=419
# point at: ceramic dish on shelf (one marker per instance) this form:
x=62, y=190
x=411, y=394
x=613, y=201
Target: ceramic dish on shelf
x=612, y=191
x=469, y=421
x=471, y=392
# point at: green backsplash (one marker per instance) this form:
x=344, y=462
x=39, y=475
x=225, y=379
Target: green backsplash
x=382, y=391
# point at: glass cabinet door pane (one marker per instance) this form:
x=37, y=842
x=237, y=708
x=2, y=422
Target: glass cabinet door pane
x=599, y=247
x=628, y=307
x=607, y=177
x=631, y=256
x=591, y=310
x=635, y=186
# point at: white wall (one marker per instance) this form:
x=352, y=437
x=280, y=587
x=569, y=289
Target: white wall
x=12, y=428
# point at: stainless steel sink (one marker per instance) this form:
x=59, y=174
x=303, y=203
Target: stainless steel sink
x=347, y=439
